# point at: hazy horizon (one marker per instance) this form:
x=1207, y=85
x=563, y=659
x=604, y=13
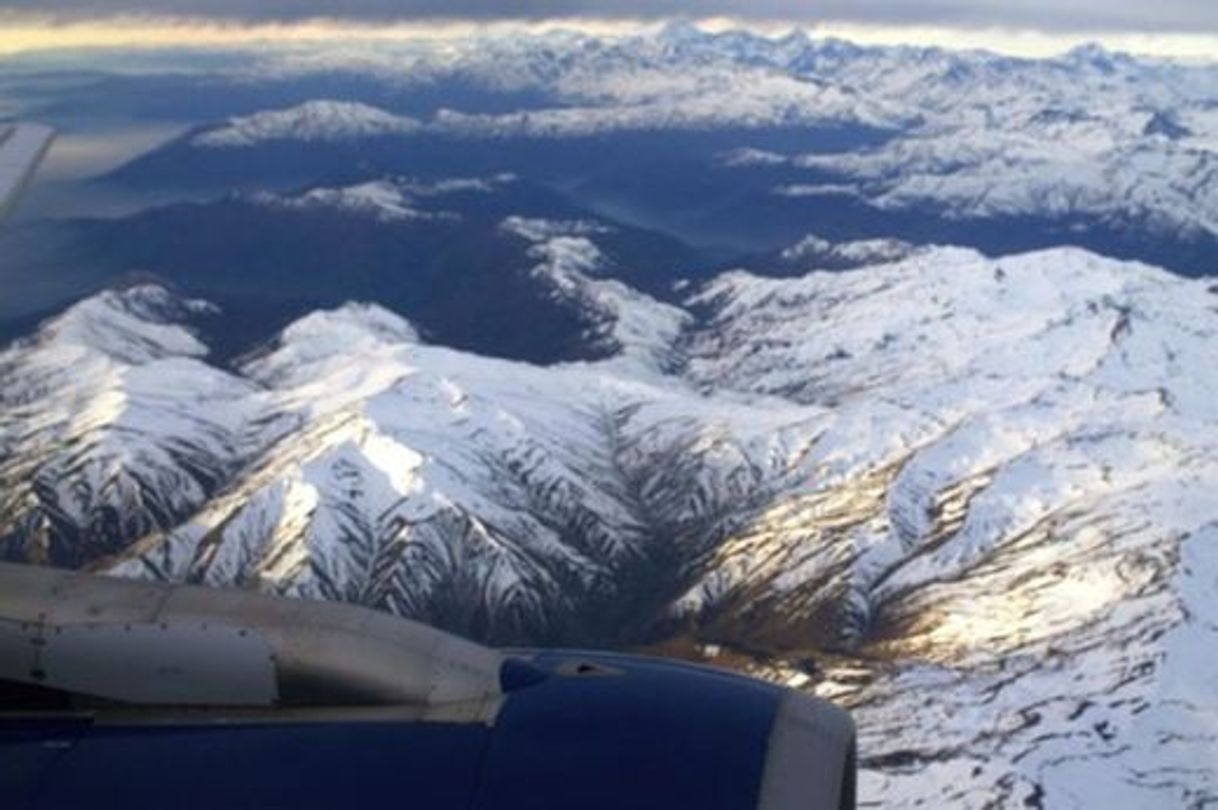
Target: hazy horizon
x=24, y=33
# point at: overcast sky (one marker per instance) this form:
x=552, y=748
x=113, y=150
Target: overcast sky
x=1054, y=16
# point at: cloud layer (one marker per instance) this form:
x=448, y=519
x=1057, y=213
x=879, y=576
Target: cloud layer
x=1195, y=16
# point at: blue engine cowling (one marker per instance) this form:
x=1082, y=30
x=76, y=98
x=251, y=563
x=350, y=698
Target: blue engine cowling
x=573, y=731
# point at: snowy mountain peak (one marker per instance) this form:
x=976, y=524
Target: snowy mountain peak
x=815, y=252
x=1096, y=56
x=134, y=326
x=320, y=120
x=681, y=32
x=385, y=201
x=349, y=328
x=329, y=337
x=389, y=199
x=111, y=427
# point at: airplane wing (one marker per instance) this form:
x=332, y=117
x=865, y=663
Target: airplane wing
x=115, y=693
x=22, y=147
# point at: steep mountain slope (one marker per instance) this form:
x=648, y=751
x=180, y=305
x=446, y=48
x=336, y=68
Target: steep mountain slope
x=994, y=398
x=505, y=500
x=971, y=498
x=112, y=426
x=1013, y=528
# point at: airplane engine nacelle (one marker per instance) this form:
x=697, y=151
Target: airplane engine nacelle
x=142, y=695
x=609, y=731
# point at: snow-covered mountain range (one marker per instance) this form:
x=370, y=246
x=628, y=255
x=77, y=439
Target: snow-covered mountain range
x=1090, y=135
x=969, y=497
x=965, y=491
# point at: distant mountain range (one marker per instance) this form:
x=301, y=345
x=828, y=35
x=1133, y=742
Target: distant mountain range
x=970, y=497
x=741, y=139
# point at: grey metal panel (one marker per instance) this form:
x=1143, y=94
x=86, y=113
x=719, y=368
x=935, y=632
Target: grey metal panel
x=163, y=664
x=810, y=752
x=323, y=652
x=22, y=147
